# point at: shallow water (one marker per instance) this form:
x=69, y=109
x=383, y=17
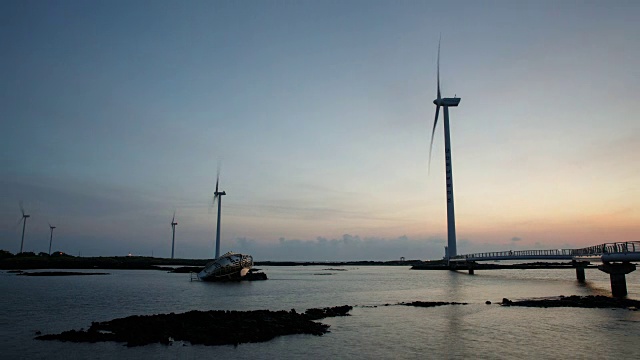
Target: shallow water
x=477, y=330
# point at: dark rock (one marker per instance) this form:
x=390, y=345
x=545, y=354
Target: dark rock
x=591, y=301
x=316, y=314
x=204, y=327
x=253, y=276
x=431, y=303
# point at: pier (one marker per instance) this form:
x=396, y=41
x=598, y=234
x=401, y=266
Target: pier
x=616, y=260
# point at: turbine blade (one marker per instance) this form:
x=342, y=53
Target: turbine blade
x=173, y=219
x=15, y=227
x=21, y=208
x=218, y=176
x=439, y=69
x=435, y=122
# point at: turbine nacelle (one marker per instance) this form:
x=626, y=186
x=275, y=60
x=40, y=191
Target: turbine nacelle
x=447, y=101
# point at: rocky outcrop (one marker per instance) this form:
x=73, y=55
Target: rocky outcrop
x=214, y=327
x=430, y=303
x=317, y=314
x=591, y=301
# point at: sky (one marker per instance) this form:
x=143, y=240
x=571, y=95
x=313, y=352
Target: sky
x=318, y=114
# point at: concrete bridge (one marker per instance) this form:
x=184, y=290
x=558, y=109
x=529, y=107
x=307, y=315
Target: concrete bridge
x=616, y=259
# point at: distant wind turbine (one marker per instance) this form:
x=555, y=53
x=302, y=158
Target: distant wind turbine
x=24, y=225
x=446, y=103
x=217, y=195
x=51, y=237
x=173, y=229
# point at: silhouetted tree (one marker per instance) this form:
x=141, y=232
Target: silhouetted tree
x=26, y=254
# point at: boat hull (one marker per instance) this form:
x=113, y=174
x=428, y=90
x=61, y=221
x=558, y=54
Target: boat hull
x=228, y=267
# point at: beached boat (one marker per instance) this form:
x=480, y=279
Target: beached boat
x=228, y=267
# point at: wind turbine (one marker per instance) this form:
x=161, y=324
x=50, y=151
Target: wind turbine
x=51, y=237
x=173, y=228
x=451, y=220
x=217, y=195
x=24, y=225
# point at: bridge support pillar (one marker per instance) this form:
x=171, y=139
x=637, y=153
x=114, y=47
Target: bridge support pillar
x=580, y=266
x=471, y=266
x=617, y=272
x=580, y=274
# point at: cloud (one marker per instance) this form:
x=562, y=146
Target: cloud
x=348, y=247
x=515, y=238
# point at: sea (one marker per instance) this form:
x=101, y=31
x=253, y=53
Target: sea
x=378, y=328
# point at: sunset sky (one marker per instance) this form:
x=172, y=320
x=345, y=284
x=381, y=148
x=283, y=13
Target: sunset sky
x=116, y=113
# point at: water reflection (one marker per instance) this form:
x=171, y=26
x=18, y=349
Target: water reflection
x=454, y=313
x=455, y=331
x=592, y=288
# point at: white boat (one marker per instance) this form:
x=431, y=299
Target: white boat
x=228, y=267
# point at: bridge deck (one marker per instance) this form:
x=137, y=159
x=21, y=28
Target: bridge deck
x=617, y=251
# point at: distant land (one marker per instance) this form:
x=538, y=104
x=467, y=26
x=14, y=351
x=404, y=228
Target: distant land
x=59, y=260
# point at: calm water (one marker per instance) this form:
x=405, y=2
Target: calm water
x=55, y=304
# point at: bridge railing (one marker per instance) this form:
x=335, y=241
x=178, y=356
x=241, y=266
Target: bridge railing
x=597, y=250
x=609, y=248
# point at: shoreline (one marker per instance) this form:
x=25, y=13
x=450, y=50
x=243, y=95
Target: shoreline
x=180, y=265
x=152, y=263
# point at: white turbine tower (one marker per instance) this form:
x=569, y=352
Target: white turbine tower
x=24, y=225
x=173, y=230
x=51, y=227
x=217, y=195
x=451, y=220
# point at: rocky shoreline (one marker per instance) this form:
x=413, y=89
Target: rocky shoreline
x=431, y=303
x=214, y=327
x=590, y=301
x=217, y=327
x=24, y=262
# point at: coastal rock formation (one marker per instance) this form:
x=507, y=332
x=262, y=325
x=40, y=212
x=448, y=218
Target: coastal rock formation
x=214, y=327
x=430, y=303
x=591, y=301
x=317, y=314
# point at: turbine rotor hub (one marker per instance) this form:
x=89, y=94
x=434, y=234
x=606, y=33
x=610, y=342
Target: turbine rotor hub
x=447, y=101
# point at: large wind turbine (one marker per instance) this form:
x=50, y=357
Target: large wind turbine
x=24, y=225
x=451, y=220
x=51, y=237
x=173, y=229
x=217, y=195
